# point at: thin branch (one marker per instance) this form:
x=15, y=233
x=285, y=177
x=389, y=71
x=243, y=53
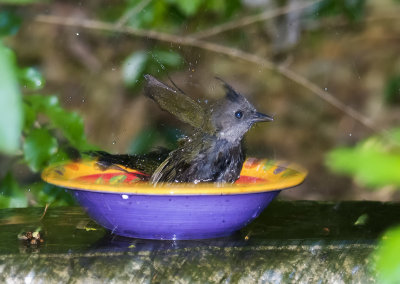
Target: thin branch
x=131, y=13
x=249, y=20
x=216, y=48
x=45, y=211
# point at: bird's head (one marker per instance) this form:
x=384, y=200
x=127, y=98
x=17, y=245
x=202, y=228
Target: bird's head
x=233, y=115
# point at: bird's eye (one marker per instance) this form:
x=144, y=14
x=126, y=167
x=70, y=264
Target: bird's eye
x=239, y=114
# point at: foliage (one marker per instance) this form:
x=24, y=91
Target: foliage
x=38, y=148
x=171, y=14
x=69, y=123
x=373, y=162
x=387, y=262
x=11, y=193
x=30, y=78
x=10, y=103
x=32, y=126
x=9, y=23
x=392, y=90
x=351, y=9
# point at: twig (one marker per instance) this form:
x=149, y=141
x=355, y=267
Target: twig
x=232, y=52
x=44, y=211
x=132, y=12
x=245, y=21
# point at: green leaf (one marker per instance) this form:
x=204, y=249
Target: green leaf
x=11, y=115
x=11, y=195
x=351, y=9
x=387, y=257
x=45, y=193
x=216, y=6
x=55, y=195
x=372, y=162
x=133, y=67
x=60, y=156
x=31, y=78
x=168, y=58
x=361, y=220
x=9, y=23
x=370, y=167
x=392, y=90
x=69, y=123
x=189, y=8
x=30, y=116
x=38, y=148
x=395, y=135
x=152, y=16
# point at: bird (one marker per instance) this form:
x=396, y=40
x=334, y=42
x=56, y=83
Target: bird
x=214, y=152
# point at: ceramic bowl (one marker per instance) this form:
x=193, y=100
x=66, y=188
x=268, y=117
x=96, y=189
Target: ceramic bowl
x=117, y=199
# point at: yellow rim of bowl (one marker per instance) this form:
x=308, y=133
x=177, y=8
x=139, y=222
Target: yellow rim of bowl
x=289, y=175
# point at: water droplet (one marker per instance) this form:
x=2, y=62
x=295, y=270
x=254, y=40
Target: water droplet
x=255, y=214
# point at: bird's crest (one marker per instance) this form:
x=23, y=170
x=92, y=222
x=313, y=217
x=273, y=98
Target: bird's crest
x=231, y=94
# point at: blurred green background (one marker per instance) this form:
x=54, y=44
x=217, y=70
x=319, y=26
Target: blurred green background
x=78, y=85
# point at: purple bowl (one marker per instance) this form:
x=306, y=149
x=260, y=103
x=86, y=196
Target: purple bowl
x=173, y=217
x=117, y=200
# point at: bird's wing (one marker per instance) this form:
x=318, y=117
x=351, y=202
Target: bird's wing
x=175, y=102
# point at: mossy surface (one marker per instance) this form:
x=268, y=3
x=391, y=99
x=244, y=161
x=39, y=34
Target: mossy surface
x=295, y=242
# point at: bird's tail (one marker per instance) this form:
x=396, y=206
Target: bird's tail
x=145, y=163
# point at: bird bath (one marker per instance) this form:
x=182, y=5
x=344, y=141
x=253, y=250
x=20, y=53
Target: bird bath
x=118, y=200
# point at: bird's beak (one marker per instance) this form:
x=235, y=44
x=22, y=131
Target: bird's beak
x=260, y=117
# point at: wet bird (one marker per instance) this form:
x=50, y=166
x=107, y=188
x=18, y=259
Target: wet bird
x=213, y=153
